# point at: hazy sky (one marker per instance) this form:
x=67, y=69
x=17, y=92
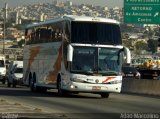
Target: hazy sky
x=108, y=3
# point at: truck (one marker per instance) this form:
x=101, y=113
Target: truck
x=2, y=69
x=15, y=73
x=150, y=69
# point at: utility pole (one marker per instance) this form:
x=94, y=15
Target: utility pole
x=4, y=28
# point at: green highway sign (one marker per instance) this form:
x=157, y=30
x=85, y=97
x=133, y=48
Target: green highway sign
x=142, y=11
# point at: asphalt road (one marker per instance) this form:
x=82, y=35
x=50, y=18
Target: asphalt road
x=83, y=105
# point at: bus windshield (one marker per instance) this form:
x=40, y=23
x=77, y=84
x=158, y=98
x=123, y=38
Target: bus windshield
x=95, y=33
x=93, y=60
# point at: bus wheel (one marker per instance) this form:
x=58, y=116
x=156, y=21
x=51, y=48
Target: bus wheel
x=60, y=90
x=104, y=95
x=4, y=80
x=32, y=85
x=14, y=83
x=8, y=83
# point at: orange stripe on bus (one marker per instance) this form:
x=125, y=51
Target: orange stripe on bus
x=107, y=79
x=34, y=51
x=56, y=68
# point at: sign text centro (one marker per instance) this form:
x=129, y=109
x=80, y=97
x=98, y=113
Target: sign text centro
x=142, y=11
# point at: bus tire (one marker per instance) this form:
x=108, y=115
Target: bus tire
x=32, y=83
x=32, y=88
x=104, y=95
x=61, y=92
x=14, y=83
x=4, y=81
x=8, y=83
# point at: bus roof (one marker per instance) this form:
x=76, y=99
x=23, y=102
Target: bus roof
x=91, y=19
x=74, y=18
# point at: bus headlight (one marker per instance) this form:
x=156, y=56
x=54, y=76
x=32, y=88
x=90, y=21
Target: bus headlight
x=77, y=80
x=116, y=81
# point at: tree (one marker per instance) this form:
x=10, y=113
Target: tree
x=140, y=46
x=152, y=45
x=128, y=43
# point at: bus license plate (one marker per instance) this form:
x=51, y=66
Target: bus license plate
x=96, y=88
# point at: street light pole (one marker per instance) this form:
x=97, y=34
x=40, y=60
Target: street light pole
x=4, y=28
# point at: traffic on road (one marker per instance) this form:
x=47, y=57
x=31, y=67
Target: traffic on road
x=79, y=66
x=20, y=101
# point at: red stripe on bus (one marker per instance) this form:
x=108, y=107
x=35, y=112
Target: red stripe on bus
x=107, y=79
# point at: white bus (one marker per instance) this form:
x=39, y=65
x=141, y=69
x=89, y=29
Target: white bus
x=75, y=54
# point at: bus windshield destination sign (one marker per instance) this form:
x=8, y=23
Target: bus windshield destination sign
x=142, y=11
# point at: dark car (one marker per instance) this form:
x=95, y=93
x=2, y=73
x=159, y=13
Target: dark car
x=130, y=72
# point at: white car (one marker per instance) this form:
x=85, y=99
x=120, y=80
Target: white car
x=15, y=73
x=16, y=77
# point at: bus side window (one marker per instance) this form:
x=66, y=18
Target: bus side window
x=49, y=35
x=42, y=35
x=33, y=37
x=60, y=34
x=56, y=34
x=38, y=34
x=53, y=35
x=27, y=39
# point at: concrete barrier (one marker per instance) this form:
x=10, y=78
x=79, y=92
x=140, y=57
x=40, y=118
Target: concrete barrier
x=141, y=86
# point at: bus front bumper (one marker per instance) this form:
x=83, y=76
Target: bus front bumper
x=95, y=88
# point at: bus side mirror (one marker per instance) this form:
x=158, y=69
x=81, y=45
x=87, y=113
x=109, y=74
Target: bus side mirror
x=70, y=53
x=127, y=55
